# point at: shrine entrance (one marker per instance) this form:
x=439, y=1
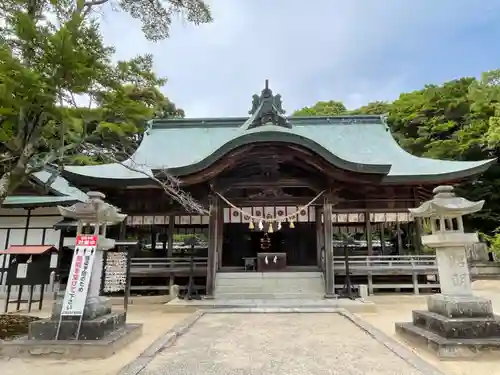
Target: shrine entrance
x=243, y=245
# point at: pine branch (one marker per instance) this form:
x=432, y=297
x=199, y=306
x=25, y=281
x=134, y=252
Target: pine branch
x=169, y=183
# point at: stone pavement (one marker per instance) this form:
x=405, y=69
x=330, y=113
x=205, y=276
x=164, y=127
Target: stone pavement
x=278, y=342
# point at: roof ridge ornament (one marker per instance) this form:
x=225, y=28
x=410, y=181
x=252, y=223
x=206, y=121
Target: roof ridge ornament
x=267, y=108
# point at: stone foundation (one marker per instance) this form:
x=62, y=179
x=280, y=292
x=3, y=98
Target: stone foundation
x=95, y=329
x=94, y=308
x=101, y=334
x=72, y=349
x=454, y=327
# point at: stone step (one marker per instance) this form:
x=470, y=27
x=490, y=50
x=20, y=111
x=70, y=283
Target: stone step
x=269, y=285
x=266, y=289
x=269, y=275
x=267, y=296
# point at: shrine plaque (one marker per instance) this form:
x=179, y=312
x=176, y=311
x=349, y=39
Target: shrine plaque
x=269, y=262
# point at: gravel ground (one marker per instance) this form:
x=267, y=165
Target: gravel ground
x=285, y=344
x=155, y=321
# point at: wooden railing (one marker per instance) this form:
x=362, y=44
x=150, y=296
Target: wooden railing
x=164, y=266
x=421, y=268
x=373, y=267
x=387, y=263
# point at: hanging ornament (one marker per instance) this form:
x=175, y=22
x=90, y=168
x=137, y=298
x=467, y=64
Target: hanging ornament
x=250, y=225
x=292, y=225
x=279, y=225
x=261, y=225
x=270, y=230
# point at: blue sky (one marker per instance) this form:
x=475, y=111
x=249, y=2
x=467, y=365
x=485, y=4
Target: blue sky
x=354, y=51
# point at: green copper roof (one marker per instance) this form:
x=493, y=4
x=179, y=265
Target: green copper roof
x=355, y=143
x=60, y=186
x=36, y=201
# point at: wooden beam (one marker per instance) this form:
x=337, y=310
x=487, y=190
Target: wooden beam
x=225, y=184
x=271, y=201
x=282, y=153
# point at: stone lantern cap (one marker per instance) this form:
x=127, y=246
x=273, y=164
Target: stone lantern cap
x=94, y=211
x=446, y=204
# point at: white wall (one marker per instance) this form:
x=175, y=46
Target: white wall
x=40, y=232
x=40, y=229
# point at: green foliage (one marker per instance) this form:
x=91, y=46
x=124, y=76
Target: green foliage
x=373, y=108
x=457, y=120
x=52, y=55
x=331, y=108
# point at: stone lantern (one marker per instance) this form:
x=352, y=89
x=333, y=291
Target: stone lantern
x=457, y=323
x=448, y=238
x=98, y=332
x=97, y=214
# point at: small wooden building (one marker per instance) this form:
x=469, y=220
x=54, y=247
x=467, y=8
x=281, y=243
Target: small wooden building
x=264, y=172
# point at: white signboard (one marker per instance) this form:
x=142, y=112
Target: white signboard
x=79, y=275
x=115, y=277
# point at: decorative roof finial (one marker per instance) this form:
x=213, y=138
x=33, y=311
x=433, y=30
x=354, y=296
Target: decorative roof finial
x=267, y=108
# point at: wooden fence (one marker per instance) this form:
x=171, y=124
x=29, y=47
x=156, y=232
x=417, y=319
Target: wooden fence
x=394, y=266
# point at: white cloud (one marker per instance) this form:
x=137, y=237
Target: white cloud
x=349, y=50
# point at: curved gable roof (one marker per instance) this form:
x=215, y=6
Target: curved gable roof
x=355, y=143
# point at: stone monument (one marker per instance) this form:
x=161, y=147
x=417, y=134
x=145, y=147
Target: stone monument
x=99, y=331
x=457, y=324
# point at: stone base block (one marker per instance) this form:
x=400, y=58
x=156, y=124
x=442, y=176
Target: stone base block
x=460, y=306
x=94, y=308
x=72, y=349
x=457, y=328
x=446, y=348
x=95, y=329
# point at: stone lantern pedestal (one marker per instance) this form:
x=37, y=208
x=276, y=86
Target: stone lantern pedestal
x=98, y=332
x=457, y=324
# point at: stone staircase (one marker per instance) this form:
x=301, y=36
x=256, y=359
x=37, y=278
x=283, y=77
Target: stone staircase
x=269, y=285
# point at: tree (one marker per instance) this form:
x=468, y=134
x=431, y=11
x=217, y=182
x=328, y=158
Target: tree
x=156, y=15
x=331, y=108
x=52, y=52
x=485, y=95
x=373, y=108
x=458, y=120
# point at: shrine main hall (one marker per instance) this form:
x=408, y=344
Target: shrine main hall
x=277, y=193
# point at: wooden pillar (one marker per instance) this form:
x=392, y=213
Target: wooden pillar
x=398, y=236
x=419, y=248
x=122, y=235
x=170, y=236
x=328, y=236
x=369, y=242
x=170, y=248
x=212, y=246
x=220, y=233
x=26, y=228
x=382, y=237
x=320, y=239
